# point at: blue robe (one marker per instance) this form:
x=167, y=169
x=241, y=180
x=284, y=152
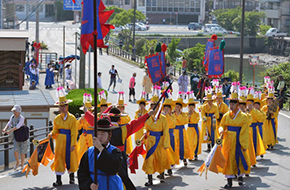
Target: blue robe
x=33, y=77
x=49, y=78
x=26, y=68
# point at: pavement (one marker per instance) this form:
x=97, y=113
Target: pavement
x=272, y=172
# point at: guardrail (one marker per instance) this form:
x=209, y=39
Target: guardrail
x=8, y=145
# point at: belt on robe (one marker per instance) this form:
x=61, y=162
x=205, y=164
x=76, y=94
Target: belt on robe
x=195, y=125
x=239, y=153
x=172, y=139
x=157, y=135
x=273, y=127
x=67, y=132
x=91, y=132
x=260, y=125
x=181, y=141
x=254, y=127
x=211, y=128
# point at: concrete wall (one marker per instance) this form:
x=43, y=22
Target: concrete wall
x=251, y=44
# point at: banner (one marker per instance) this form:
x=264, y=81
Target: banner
x=153, y=64
x=210, y=44
x=215, y=63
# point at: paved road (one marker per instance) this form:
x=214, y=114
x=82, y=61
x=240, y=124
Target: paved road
x=273, y=171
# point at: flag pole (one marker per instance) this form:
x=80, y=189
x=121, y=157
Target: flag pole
x=95, y=88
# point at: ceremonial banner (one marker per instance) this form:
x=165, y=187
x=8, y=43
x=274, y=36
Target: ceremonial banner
x=153, y=64
x=210, y=44
x=215, y=63
x=162, y=58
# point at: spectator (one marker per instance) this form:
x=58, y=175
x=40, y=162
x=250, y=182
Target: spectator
x=16, y=121
x=100, y=51
x=184, y=64
x=194, y=79
x=61, y=63
x=183, y=82
x=169, y=68
x=281, y=88
x=99, y=81
x=204, y=82
x=68, y=74
x=26, y=69
x=147, y=84
x=226, y=90
x=34, y=74
x=132, y=87
x=49, y=78
x=56, y=70
x=113, y=72
x=32, y=86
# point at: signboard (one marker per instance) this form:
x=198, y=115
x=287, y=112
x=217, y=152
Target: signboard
x=68, y=5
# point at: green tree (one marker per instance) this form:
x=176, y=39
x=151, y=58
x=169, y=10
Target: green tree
x=226, y=16
x=194, y=57
x=148, y=45
x=264, y=28
x=171, y=50
x=232, y=74
x=116, y=9
x=139, y=45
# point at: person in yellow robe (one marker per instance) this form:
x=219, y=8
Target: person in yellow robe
x=222, y=107
x=257, y=121
x=86, y=138
x=235, y=131
x=124, y=121
x=156, y=144
x=257, y=106
x=193, y=131
x=65, y=134
x=171, y=121
x=180, y=133
x=271, y=122
x=103, y=105
x=141, y=111
x=209, y=112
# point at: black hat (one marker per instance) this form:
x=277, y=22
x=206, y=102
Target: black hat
x=105, y=125
x=68, y=65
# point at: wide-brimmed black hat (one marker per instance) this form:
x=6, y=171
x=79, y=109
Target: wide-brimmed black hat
x=105, y=125
x=226, y=78
x=68, y=65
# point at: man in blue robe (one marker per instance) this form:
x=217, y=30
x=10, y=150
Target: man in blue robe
x=49, y=78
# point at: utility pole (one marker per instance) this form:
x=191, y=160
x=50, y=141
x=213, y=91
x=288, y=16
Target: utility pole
x=76, y=51
x=27, y=12
x=63, y=54
x=134, y=30
x=242, y=42
x=82, y=70
x=1, y=18
x=90, y=66
x=37, y=26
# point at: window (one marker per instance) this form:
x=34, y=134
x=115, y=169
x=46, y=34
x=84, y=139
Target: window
x=149, y=3
x=127, y=2
x=154, y=3
x=19, y=8
x=141, y=2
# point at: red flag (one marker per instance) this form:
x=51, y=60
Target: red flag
x=133, y=158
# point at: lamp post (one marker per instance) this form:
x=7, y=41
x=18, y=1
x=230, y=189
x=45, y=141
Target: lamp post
x=242, y=42
x=253, y=60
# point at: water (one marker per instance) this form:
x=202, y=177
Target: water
x=232, y=63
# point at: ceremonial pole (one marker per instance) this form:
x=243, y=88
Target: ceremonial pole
x=95, y=87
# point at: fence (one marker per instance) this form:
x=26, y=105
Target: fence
x=8, y=145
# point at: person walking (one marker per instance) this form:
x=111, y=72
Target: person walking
x=183, y=82
x=16, y=121
x=194, y=79
x=184, y=64
x=56, y=70
x=147, y=84
x=68, y=75
x=49, y=78
x=132, y=84
x=99, y=81
x=26, y=69
x=113, y=73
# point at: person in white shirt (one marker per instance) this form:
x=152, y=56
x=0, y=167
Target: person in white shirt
x=16, y=121
x=99, y=80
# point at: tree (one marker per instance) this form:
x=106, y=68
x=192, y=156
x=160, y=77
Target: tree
x=194, y=57
x=139, y=45
x=171, y=50
x=232, y=74
x=116, y=9
x=264, y=28
x=147, y=46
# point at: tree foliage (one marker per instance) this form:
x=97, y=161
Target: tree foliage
x=194, y=57
x=116, y=9
x=232, y=74
x=264, y=28
x=171, y=50
x=275, y=71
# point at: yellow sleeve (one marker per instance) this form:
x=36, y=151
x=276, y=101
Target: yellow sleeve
x=264, y=109
x=202, y=111
x=136, y=115
x=79, y=124
x=124, y=133
x=244, y=134
x=74, y=131
x=195, y=117
x=225, y=108
x=55, y=130
x=185, y=118
x=166, y=133
x=217, y=113
x=223, y=121
x=257, y=115
x=250, y=119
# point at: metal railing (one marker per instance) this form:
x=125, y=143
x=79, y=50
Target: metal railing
x=8, y=145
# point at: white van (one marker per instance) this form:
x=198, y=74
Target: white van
x=207, y=27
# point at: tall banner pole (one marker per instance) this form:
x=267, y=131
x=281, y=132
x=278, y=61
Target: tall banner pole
x=95, y=86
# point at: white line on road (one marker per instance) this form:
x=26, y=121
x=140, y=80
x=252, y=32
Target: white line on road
x=285, y=115
x=11, y=173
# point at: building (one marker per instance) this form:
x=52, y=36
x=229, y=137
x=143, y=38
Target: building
x=124, y=4
x=250, y=5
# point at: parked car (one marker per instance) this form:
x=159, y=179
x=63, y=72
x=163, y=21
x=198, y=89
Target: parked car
x=274, y=32
x=207, y=27
x=218, y=30
x=138, y=27
x=146, y=25
x=194, y=26
x=120, y=28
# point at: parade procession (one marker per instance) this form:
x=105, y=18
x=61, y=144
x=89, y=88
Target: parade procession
x=155, y=112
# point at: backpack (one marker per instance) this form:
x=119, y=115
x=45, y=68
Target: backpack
x=21, y=134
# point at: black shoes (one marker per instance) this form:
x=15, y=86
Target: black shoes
x=229, y=184
x=185, y=162
x=169, y=172
x=162, y=179
x=58, y=181
x=72, y=178
x=240, y=181
x=150, y=181
x=195, y=157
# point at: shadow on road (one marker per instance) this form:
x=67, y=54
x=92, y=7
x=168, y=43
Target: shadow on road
x=63, y=187
x=280, y=150
x=266, y=162
x=262, y=171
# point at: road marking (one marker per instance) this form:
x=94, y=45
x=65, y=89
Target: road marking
x=285, y=115
x=10, y=174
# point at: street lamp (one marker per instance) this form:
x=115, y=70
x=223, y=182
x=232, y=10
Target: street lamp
x=253, y=60
x=242, y=42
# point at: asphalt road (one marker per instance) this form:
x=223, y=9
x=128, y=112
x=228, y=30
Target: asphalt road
x=272, y=172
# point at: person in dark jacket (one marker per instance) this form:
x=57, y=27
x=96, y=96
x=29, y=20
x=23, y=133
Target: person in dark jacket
x=108, y=162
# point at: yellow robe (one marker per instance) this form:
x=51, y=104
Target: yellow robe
x=128, y=142
x=258, y=117
x=206, y=125
x=270, y=136
x=194, y=140
x=86, y=138
x=228, y=123
x=59, y=164
x=139, y=133
x=263, y=100
x=183, y=152
x=223, y=108
x=158, y=160
x=250, y=151
x=172, y=156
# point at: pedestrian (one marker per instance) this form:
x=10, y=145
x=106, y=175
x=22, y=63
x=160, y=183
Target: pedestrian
x=169, y=68
x=132, y=84
x=61, y=64
x=65, y=134
x=99, y=81
x=184, y=64
x=26, y=69
x=56, y=70
x=108, y=46
x=68, y=75
x=34, y=74
x=49, y=78
x=194, y=79
x=164, y=21
x=235, y=132
x=183, y=82
x=226, y=90
x=100, y=51
x=147, y=84
x=281, y=88
x=113, y=73
x=20, y=146
x=109, y=159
